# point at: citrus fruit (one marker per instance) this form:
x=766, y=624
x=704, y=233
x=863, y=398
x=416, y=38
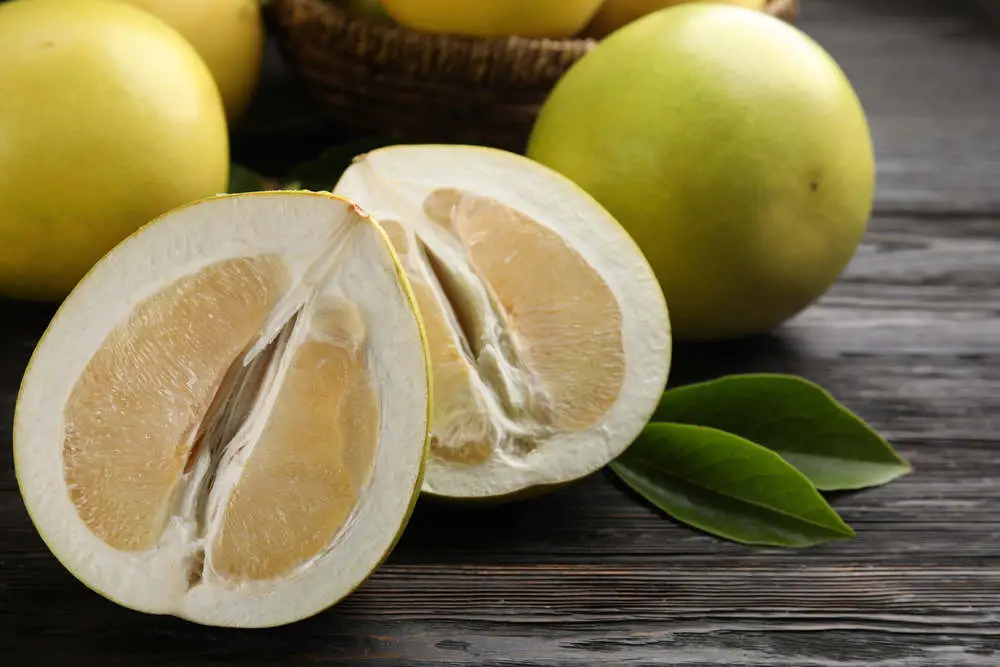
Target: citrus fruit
x=109, y=119
x=732, y=148
x=229, y=36
x=487, y=18
x=548, y=333
x=614, y=14
x=226, y=419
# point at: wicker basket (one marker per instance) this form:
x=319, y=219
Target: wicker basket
x=375, y=78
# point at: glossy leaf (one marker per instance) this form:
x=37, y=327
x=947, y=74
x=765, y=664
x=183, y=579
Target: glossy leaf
x=728, y=486
x=242, y=179
x=322, y=172
x=801, y=421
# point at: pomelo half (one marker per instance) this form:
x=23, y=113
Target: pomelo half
x=548, y=332
x=226, y=420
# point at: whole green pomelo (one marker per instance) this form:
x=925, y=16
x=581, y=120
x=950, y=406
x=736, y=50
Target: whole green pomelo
x=732, y=148
x=108, y=119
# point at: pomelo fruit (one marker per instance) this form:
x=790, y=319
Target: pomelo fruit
x=548, y=333
x=491, y=18
x=732, y=148
x=229, y=36
x=615, y=14
x=226, y=420
x=108, y=119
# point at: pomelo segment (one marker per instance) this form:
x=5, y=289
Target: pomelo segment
x=465, y=433
x=549, y=335
x=559, y=312
x=311, y=463
x=226, y=420
x=151, y=383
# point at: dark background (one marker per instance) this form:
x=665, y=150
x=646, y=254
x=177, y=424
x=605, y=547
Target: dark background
x=909, y=339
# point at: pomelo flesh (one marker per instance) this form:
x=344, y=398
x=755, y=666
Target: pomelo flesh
x=227, y=419
x=549, y=337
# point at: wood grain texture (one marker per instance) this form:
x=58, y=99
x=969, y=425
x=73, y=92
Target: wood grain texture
x=927, y=74
x=591, y=575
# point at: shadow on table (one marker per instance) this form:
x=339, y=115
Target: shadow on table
x=23, y=320
x=767, y=353
x=21, y=325
x=61, y=622
x=453, y=531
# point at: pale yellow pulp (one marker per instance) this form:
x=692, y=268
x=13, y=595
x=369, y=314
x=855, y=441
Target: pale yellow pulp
x=135, y=414
x=561, y=321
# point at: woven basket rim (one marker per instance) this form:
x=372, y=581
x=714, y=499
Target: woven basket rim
x=375, y=75
x=345, y=21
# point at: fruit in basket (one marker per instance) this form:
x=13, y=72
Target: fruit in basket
x=733, y=149
x=108, y=118
x=615, y=14
x=226, y=420
x=491, y=18
x=549, y=337
x=229, y=35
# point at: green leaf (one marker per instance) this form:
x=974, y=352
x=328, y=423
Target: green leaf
x=318, y=174
x=323, y=172
x=797, y=419
x=242, y=179
x=728, y=486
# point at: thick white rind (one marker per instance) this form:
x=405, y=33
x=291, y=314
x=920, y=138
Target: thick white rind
x=392, y=183
x=298, y=227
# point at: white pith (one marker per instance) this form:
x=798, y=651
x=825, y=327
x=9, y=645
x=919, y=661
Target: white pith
x=348, y=257
x=392, y=184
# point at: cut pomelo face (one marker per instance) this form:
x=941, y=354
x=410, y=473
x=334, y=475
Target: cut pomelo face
x=227, y=419
x=548, y=333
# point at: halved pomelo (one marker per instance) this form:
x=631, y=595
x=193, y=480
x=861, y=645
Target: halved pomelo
x=227, y=418
x=548, y=332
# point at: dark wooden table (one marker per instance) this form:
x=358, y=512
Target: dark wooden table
x=910, y=339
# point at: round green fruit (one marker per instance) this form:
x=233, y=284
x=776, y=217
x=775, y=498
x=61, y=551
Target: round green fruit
x=732, y=148
x=108, y=119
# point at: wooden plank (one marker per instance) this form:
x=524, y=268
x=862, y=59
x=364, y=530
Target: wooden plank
x=929, y=78
x=590, y=575
x=988, y=9
x=574, y=616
